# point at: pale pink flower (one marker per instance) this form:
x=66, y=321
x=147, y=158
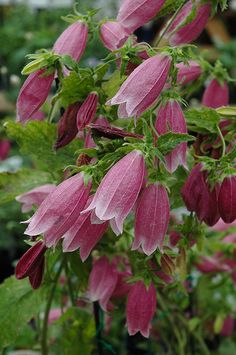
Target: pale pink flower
x=151, y=218
x=113, y=35
x=118, y=191
x=216, y=94
x=102, y=282
x=180, y=33
x=5, y=147
x=34, y=197
x=54, y=315
x=221, y=226
x=87, y=111
x=142, y=88
x=170, y=118
x=72, y=41
x=211, y=264
x=140, y=308
x=135, y=13
x=60, y=209
x=33, y=94
x=188, y=72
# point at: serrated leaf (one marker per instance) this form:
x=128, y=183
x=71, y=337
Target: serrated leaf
x=169, y=7
x=229, y=111
x=19, y=303
x=167, y=142
x=100, y=71
x=75, y=88
x=203, y=120
x=36, y=140
x=113, y=84
x=14, y=184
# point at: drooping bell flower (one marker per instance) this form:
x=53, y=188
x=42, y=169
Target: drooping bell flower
x=60, y=209
x=113, y=35
x=140, y=308
x=188, y=72
x=33, y=94
x=102, y=282
x=151, y=218
x=5, y=147
x=118, y=191
x=34, y=197
x=87, y=111
x=227, y=199
x=211, y=264
x=89, y=142
x=180, y=33
x=122, y=286
x=170, y=118
x=198, y=196
x=67, y=126
x=72, y=41
x=31, y=264
x=228, y=326
x=84, y=235
x=142, y=88
x=135, y=13
x=216, y=94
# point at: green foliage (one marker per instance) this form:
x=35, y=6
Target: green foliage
x=19, y=304
x=36, y=139
x=202, y=120
x=167, y=142
x=113, y=84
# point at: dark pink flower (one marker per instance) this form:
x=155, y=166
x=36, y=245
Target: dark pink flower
x=102, y=282
x=87, y=111
x=67, y=126
x=30, y=260
x=34, y=197
x=216, y=94
x=228, y=326
x=212, y=264
x=198, y=196
x=140, y=308
x=227, y=199
x=180, y=33
x=72, y=41
x=170, y=118
x=36, y=277
x=135, y=13
x=142, y=88
x=151, y=218
x=118, y=191
x=60, y=209
x=89, y=142
x=113, y=35
x=5, y=147
x=33, y=94
x=188, y=72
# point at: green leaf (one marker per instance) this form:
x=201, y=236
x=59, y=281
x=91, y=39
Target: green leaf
x=75, y=88
x=113, y=84
x=204, y=120
x=169, y=7
x=13, y=184
x=36, y=139
x=19, y=304
x=167, y=142
x=229, y=111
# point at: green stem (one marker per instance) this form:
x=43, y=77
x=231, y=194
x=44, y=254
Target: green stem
x=169, y=24
x=69, y=284
x=222, y=140
x=44, y=344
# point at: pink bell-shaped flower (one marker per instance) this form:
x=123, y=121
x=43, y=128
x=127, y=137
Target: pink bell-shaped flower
x=72, y=41
x=227, y=199
x=33, y=94
x=142, y=88
x=102, y=282
x=113, y=35
x=140, y=308
x=216, y=94
x=199, y=198
x=170, y=118
x=34, y=197
x=151, y=218
x=135, y=13
x=60, y=209
x=87, y=111
x=118, y=191
x=84, y=235
x=180, y=33
x=188, y=72
x=5, y=147
x=228, y=326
